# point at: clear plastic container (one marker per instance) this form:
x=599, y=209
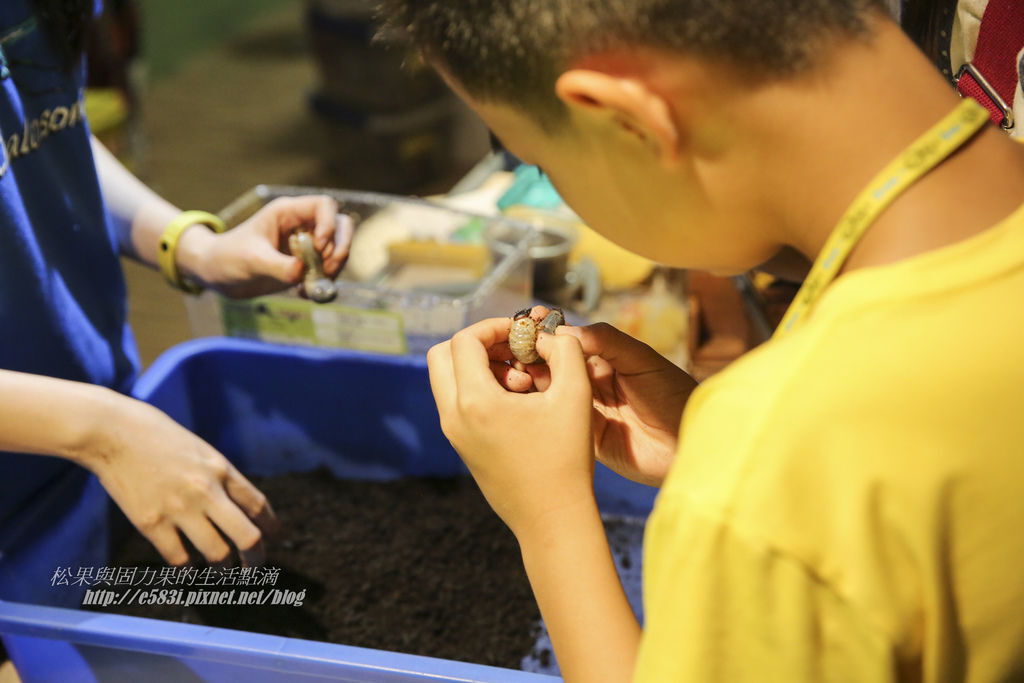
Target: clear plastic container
x=418, y=272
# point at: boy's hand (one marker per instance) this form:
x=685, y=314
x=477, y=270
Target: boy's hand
x=252, y=259
x=530, y=453
x=638, y=399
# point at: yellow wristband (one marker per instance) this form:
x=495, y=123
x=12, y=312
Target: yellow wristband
x=166, y=254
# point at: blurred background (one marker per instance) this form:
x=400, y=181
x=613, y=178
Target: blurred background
x=206, y=100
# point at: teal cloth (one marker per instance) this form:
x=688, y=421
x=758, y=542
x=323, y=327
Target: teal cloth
x=531, y=188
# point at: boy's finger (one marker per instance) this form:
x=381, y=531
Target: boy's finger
x=602, y=380
x=442, y=376
x=624, y=353
x=568, y=366
x=538, y=312
x=490, y=332
x=511, y=378
x=470, y=351
x=541, y=374
x=599, y=368
x=470, y=362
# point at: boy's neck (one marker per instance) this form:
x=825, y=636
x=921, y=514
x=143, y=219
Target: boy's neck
x=820, y=140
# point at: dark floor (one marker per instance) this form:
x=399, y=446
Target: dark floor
x=235, y=117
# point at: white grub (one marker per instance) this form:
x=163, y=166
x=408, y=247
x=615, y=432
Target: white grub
x=522, y=339
x=522, y=335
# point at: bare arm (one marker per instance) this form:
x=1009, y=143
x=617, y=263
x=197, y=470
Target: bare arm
x=246, y=261
x=164, y=478
x=140, y=215
x=532, y=456
x=47, y=416
x=592, y=627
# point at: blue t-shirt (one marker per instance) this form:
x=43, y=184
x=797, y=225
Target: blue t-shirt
x=62, y=292
x=63, y=306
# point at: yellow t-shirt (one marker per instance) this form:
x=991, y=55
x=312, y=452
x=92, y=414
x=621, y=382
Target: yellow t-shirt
x=847, y=503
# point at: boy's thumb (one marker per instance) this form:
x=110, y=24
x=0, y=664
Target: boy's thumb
x=565, y=358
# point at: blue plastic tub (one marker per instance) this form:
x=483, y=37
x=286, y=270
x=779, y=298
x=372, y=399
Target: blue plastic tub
x=269, y=409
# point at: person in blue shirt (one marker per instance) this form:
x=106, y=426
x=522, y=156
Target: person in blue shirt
x=68, y=210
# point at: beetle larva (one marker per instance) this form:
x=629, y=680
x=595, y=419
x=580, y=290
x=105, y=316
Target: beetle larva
x=522, y=335
x=318, y=287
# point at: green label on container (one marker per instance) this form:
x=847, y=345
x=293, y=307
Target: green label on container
x=299, y=321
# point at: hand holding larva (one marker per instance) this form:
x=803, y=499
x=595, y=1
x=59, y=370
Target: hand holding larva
x=318, y=286
x=522, y=334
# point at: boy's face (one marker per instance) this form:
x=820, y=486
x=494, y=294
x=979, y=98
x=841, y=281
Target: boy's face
x=620, y=189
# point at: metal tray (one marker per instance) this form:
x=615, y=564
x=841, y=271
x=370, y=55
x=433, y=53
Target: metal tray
x=399, y=292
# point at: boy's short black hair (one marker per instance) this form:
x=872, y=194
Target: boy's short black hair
x=512, y=51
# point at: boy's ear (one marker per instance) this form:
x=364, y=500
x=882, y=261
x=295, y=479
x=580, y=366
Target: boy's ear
x=627, y=103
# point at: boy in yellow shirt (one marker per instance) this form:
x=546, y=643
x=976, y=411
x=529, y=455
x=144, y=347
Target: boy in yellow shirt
x=843, y=502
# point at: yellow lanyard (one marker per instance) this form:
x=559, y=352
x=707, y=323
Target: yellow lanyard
x=922, y=156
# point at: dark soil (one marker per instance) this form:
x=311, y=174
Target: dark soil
x=421, y=566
